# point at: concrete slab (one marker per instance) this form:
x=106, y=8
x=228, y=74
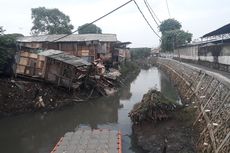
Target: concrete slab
x=90, y=141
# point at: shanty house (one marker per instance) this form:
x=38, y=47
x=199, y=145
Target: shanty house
x=121, y=52
x=54, y=66
x=30, y=64
x=86, y=46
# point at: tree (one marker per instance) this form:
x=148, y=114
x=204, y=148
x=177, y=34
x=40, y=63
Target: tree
x=50, y=21
x=169, y=24
x=7, y=52
x=1, y=30
x=89, y=28
x=172, y=37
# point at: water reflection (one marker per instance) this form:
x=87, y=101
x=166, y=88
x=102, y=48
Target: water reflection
x=146, y=80
x=167, y=88
x=38, y=133
x=125, y=93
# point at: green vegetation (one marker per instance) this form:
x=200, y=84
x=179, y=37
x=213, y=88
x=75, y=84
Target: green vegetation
x=1, y=30
x=140, y=53
x=172, y=35
x=128, y=68
x=50, y=21
x=89, y=28
x=169, y=24
x=7, y=51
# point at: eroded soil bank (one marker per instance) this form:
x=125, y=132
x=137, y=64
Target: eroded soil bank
x=164, y=126
x=175, y=135
x=19, y=95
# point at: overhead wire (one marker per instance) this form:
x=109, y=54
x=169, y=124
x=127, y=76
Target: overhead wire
x=95, y=20
x=168, y=8
x=146, y=19
x=151, y=13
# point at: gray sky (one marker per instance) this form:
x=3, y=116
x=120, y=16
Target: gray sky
x=197, y=16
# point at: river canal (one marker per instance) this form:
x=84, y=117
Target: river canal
x=39, y=132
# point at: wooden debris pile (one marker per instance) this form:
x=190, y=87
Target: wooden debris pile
x=98, y=83
x=154, y=106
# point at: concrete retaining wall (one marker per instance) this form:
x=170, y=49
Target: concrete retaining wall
x=209, y=92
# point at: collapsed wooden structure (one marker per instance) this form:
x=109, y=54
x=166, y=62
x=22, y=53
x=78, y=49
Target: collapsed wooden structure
x=64, y=70
x=54, y=66
x=71, y=61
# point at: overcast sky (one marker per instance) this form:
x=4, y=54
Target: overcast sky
x=196, y=16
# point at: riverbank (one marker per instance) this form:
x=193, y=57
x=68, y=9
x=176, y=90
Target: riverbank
x=39, y=132
x=174, y=135
x=208, y=93
x=129, y=71
x=19, y=95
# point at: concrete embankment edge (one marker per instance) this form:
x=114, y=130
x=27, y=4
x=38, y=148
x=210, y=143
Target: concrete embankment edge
x=209, y=92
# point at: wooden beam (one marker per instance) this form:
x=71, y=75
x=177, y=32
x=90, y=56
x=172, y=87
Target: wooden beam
x=209, y=125
x=223, y=142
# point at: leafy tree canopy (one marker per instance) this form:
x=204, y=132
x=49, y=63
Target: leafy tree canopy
x=50, y=21
x=89, y=28
x=169, y=24
x=175, y=38
x=1, y=30
x=172, y=35
x=9, y=40
x=7, y=51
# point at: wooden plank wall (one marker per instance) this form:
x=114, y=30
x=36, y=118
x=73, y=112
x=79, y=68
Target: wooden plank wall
x=30, y=64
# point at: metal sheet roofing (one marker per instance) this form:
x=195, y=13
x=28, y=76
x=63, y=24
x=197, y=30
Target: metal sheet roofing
x=223, y=30
x=50, y=52
x=70, y=38
x=64, y=57
x=214, y=41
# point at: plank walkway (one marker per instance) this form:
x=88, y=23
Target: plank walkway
x=90, y=141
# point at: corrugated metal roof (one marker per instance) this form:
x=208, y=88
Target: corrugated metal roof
x=64, y=57
x=50, y=52
x=222, y=30
x=70, y=38
x=70, y=59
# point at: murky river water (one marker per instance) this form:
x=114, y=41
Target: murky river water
x=39, y=132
